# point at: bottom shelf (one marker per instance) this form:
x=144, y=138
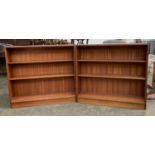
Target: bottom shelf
x=124, y=102
x=41, y=100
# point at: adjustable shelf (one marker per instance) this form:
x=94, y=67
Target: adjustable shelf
x=119, y=61
x=37, y=62
x=112, y=77
x=41, y=77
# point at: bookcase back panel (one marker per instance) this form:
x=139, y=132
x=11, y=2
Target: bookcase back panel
x=112, y=53
x=112, y=68
x=112, y=87
x=26, y=70
x=40, y=54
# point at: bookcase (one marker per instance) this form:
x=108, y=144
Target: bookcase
x=40, y=75
x=112, y=74
x=109, y=74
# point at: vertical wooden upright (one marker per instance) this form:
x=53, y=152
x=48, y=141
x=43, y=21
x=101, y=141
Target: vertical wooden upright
x=76, y=72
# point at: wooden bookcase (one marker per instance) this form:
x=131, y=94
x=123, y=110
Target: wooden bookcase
x=40, y=75
x=112, y=75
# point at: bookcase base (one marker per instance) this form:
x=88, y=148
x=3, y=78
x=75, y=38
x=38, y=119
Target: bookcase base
x=112, y=103
x=42, y=102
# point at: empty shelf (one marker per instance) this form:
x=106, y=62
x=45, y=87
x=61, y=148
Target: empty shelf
x=41, y=77
x=112, y=76
x=119, y=61
x=136, y=100
x=33, y=62
x=40, y=97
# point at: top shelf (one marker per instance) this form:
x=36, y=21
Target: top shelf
x=55, y=61
x=113, y=44
x=40, y=46
x=127, y=61
x=35, y=62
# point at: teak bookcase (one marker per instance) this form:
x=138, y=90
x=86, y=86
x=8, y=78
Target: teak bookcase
x=40, y=75
x=113, y=75
x=110, y=74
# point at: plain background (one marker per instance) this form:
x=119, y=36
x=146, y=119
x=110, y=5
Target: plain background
x=71, y=19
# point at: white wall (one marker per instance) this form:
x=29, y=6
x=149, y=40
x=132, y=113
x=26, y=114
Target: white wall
x=96, y=41
x=100, y=41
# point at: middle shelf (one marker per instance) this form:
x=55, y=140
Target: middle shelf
x=39, y=62
x=118, y=61
x=112, y=76
x=41, y=77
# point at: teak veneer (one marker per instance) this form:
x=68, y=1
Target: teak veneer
x=109, y=74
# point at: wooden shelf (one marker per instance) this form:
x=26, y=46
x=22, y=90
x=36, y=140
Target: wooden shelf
x=119, y=61
x=112, y=77
x=40, y=97
x=40, y=46
x=35, y=62
x=112, y=98
x=113, y=44
x=41, y=77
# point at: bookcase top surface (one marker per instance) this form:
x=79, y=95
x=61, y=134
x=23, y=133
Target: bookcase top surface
x=89, y=45
x=114, y=44
x=39, y=46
